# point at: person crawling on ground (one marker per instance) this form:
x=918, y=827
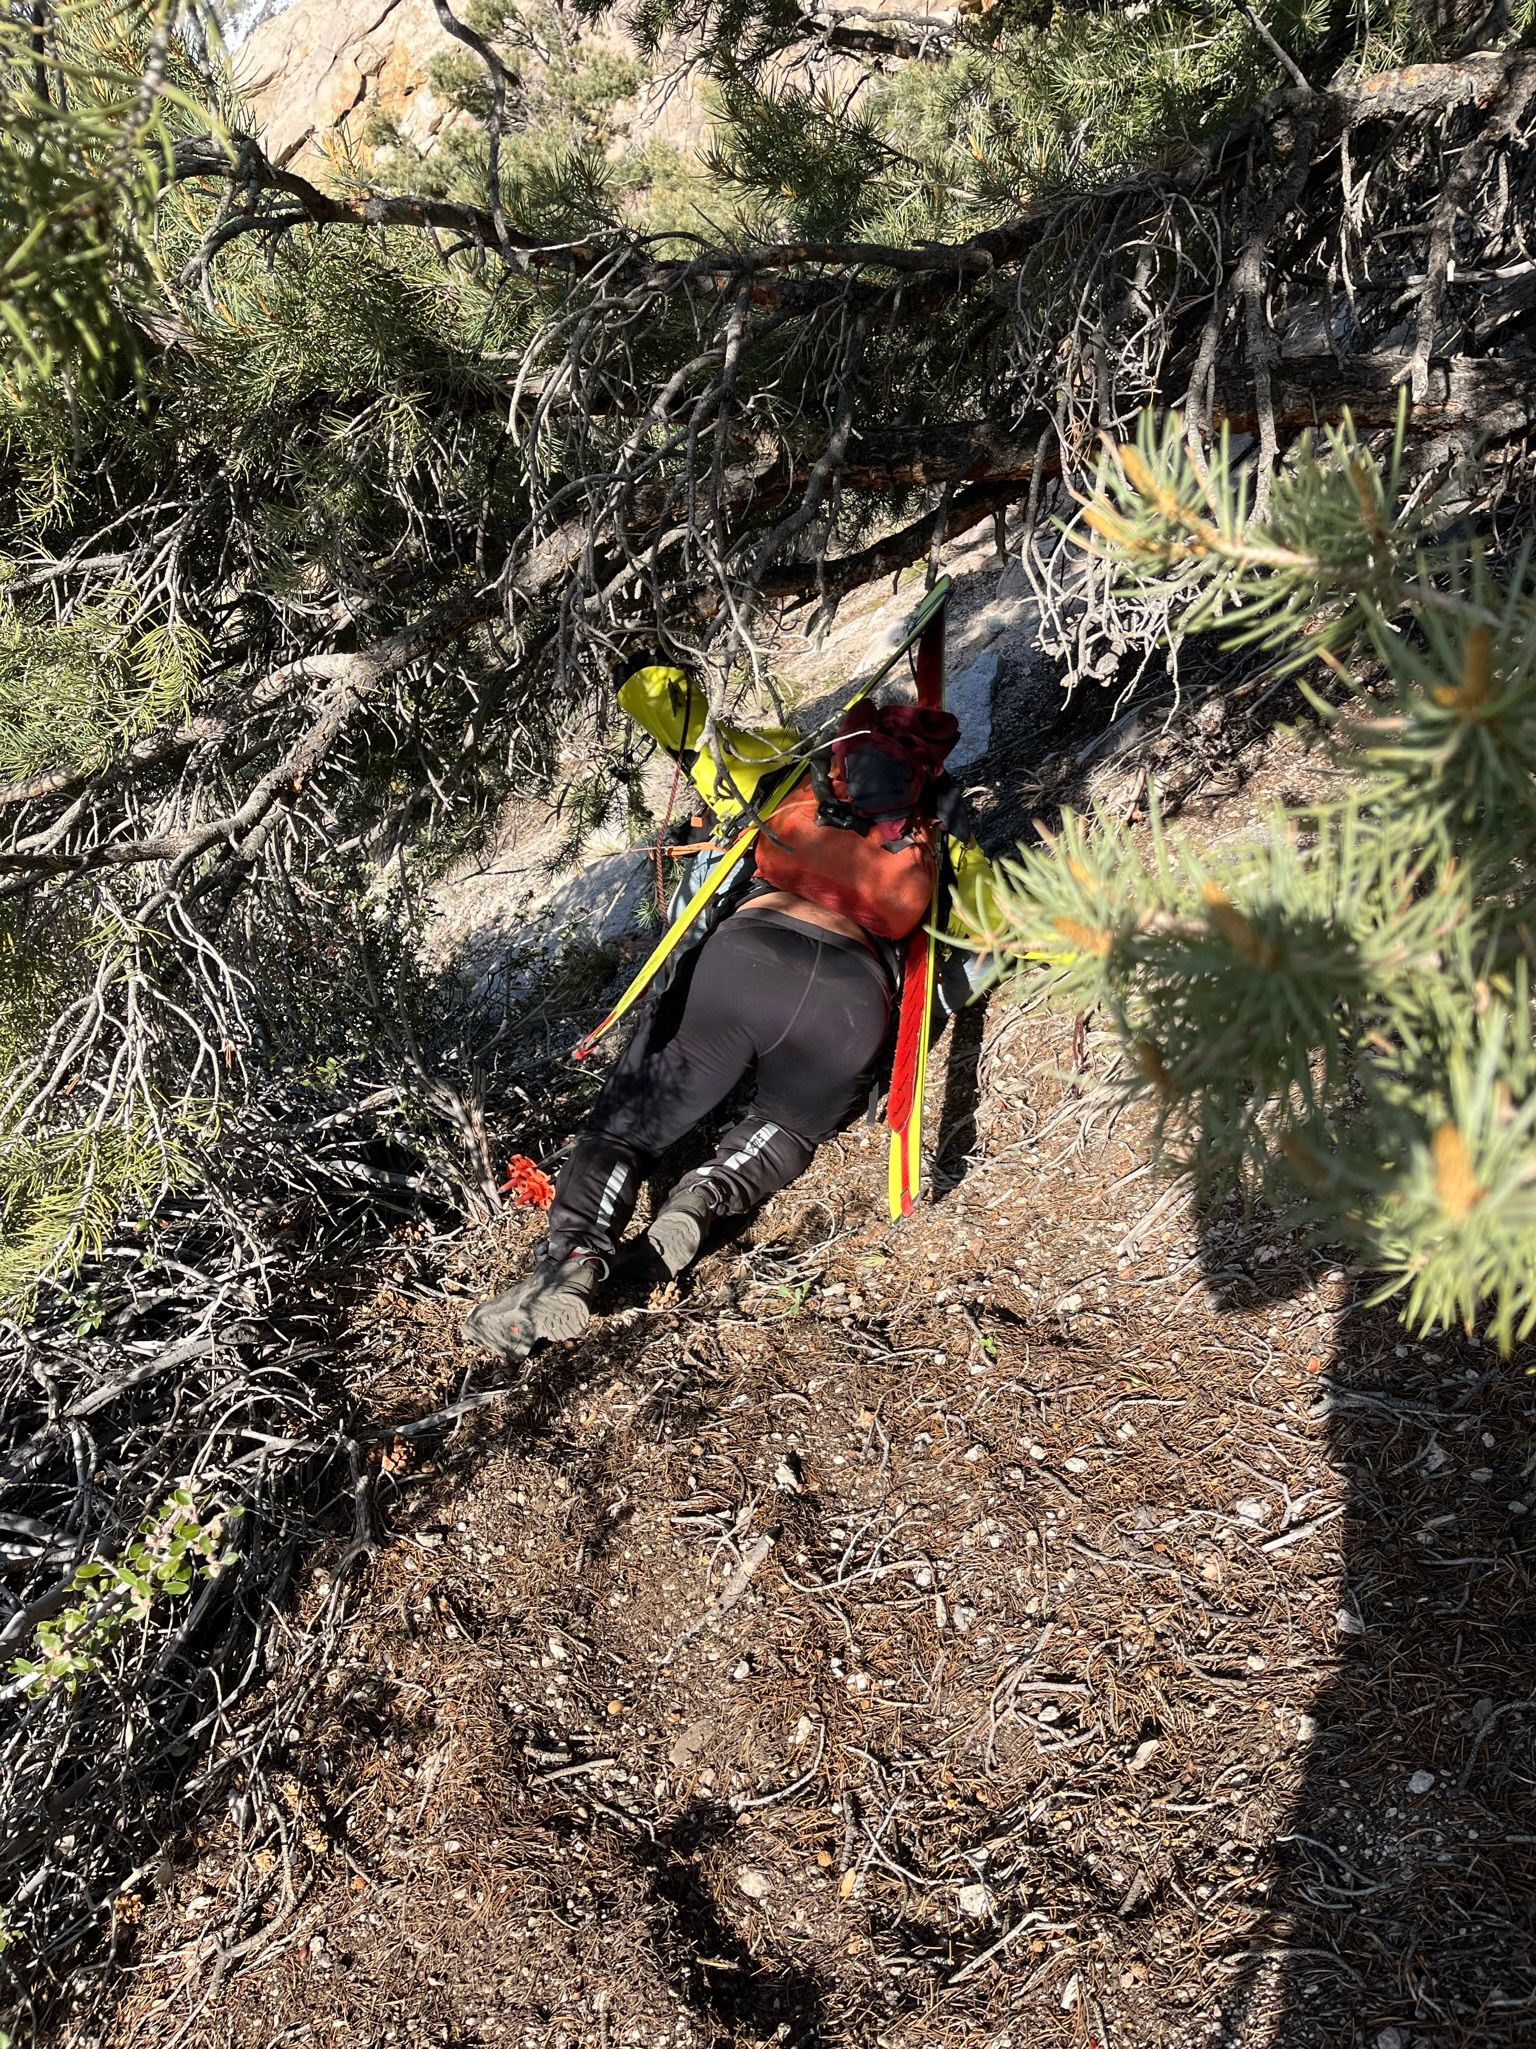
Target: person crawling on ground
x=793, y=982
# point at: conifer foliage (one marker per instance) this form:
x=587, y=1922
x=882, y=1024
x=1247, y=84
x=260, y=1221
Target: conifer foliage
x=1335, y=1017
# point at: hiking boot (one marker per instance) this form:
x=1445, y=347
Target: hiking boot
x=551, y=1302
x=677, y=1230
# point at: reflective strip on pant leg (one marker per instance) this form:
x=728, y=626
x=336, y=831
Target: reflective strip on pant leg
x=612, y=1189
x=754, y=1145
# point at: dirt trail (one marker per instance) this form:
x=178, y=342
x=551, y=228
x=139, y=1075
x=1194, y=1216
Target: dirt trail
x=1068, y=1618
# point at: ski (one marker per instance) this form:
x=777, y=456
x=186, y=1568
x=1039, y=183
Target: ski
x=914, y=1034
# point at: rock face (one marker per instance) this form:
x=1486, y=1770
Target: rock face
x=314, y=73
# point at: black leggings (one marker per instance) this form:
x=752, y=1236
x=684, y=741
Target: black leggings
x=806, y=1009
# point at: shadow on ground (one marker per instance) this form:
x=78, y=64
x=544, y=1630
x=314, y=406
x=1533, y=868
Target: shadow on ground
x=1402, y=1897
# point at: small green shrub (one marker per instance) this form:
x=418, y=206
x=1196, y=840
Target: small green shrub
x=172, y=1550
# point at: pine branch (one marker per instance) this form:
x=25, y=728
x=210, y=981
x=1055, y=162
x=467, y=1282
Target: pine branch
x=351, y=679
x=1501, y=122
x=249, y=171
x=1414, y=93
x=1336, y=1019
x=496, y=119
x=893, y=552
x=871, y=33
x=978, y=470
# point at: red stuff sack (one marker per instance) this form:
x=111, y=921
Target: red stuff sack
x=886, y=755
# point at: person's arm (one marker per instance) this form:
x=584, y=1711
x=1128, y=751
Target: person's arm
x=666, y=703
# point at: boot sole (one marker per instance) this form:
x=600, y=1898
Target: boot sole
x=515, y=1338
x=675, y=1240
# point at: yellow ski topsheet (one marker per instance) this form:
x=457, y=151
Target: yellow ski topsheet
x=678, y=930
x=933, y=602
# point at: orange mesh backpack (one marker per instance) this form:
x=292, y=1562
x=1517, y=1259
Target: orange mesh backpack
x=857, y=839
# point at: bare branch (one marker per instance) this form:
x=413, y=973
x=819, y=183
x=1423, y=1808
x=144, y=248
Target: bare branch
x=1498, y=128
x=495, y=122
x=1413, y=92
